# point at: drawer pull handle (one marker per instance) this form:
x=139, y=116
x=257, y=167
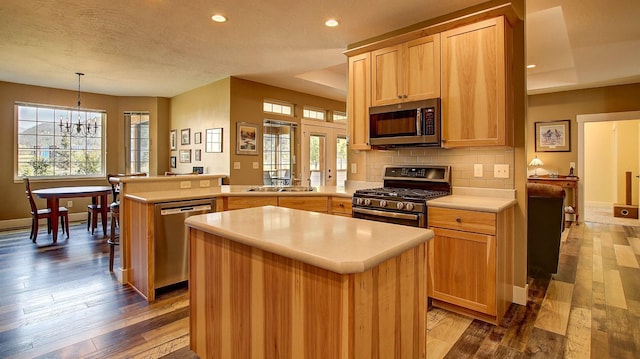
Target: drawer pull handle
x=458, y=219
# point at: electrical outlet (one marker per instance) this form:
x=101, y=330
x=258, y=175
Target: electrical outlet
x=501, y=171
x=256, y=165
x=69, y=204
x=236, y=165
x=185, y=184
x=205, y=183
x=477, y=170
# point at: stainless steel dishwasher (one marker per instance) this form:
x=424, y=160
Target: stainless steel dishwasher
x=171, y=239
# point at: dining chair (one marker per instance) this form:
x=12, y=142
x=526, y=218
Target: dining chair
x=93, y=210
x=37, y=214
x=114, y=208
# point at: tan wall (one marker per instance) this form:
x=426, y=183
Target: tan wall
x=599, y=155
x=626, y=147
x=199, y=109
x=246, y=106
x=566, y=105
x=14, y=204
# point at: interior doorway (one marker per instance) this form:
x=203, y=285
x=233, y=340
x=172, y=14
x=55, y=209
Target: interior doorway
x=602, y=164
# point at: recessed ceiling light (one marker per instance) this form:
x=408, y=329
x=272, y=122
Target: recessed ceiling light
x=218, y=18
x=331, y=23
x=531, y=66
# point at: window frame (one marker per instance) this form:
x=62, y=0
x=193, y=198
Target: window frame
x=17, y=176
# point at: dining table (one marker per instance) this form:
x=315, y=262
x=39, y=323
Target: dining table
x=53, y=195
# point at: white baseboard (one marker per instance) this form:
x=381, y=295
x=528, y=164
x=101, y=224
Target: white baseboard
x=520, y=294
x=21, y=223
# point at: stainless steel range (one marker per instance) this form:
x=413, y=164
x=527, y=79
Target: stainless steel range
x=403, y=199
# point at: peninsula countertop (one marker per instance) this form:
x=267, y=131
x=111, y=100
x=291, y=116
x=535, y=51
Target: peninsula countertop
x=339, y=244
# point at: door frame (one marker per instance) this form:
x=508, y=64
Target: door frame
x=333, y=129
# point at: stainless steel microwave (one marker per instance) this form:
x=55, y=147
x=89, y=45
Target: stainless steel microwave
x=407, y=124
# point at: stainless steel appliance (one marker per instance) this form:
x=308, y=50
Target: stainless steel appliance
x=407, y=124
x=171, y=239
x=405, y=195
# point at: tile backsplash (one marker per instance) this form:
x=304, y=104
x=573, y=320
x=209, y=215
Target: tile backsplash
x=462, y=163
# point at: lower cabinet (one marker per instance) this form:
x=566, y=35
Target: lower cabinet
x=469, y=262
x=340, y=206
x=324, y=204
x=241, y=202
x=306, y=203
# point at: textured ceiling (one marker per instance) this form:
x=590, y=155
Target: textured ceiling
x=167, y=47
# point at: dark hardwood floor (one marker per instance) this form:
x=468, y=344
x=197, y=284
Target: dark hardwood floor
x=60, y=301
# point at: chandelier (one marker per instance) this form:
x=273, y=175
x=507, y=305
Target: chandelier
x=79, y=128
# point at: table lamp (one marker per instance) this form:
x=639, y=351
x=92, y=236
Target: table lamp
x=535, y=163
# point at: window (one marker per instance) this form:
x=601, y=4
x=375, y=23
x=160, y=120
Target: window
x=314, y=114
x=339, y=116
x=137, y=125
x=280, y=108
x=59, y=142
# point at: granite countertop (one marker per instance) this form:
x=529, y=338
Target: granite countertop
x=339, y=244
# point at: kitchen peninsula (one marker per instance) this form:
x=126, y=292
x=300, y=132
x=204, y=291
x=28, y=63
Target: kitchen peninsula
x=286, y=282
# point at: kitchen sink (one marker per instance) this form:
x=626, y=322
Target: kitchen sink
x=280, y=189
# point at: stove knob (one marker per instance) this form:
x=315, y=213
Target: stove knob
x=359, y=201
x=409, y=206
x=367, y=202
x=400, y=205
x=383, y=203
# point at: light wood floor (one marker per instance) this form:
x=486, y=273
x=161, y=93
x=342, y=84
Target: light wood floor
x=62, y=302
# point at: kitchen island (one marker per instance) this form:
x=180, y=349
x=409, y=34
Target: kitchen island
x=279, y=282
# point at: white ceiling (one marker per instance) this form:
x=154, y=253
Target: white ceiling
x=167, y=47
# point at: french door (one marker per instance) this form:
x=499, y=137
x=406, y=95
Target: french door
x=324, y=153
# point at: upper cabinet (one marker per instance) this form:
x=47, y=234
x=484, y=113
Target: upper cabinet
x=474, y=91
x=359, y=101
x=406, y=72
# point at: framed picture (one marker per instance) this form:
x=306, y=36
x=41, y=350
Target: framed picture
x=173, y=140
x=172, y=162
x=198, y=169
x=553, y=136
x=247, y=140
x=185, y=136
x=213, y=140
x=198, y=155
x=197, y=138
x=185, y=156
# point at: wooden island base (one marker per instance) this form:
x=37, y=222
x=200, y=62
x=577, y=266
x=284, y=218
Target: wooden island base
x=249, y=303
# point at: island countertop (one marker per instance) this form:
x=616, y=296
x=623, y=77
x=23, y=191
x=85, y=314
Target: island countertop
x=339, y=244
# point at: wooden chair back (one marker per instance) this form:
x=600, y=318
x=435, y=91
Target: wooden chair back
x=32, y=203
x=115, y=185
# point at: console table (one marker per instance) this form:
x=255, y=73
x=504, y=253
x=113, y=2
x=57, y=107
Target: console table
x=570, y=184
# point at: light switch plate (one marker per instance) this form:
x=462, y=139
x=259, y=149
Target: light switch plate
x=185, y=184
x=354, y=168
x=477, y=170
x=205, y=183
x=236, y=165
x=256, y=165
x=501, y=171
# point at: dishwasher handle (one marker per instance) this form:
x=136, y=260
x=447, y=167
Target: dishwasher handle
x=186, y=209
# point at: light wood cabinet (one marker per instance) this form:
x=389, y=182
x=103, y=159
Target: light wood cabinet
x=340, y=206
x=240, y=202
x=406, y=72
x=469, y=262
x=306, y=203
x=359, y=101
x=474, y=85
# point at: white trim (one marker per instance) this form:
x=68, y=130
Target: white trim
x=520, y=295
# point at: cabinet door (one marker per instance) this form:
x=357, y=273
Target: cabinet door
x=462, y=269
x=386, y=74
x=231, y=203
x=341, y=206
x=422, y=68
x=308, y=203
x=473, y=85
x=359, y=101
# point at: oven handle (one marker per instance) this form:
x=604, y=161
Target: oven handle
x=374, y=212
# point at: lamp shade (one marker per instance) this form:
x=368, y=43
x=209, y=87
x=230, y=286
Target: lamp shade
x=536, y=162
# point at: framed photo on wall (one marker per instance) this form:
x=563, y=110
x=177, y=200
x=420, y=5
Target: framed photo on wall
x=247, y=138
x=185, y=136
x=173, y=140
x=185, y=156
x=198, y=155
x=197, y=138
x=172, y=162
x=553, y=136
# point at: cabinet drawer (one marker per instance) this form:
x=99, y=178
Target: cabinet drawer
x=463, y=220
x=341, y=206
x=309, y=203
x=249, y=202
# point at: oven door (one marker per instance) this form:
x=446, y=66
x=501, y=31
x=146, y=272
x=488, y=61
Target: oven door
x=407, y=219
